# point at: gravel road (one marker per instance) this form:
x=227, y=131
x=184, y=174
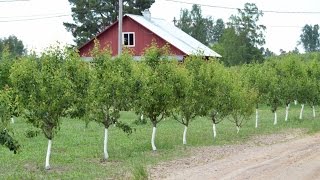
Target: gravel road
x=290, y=155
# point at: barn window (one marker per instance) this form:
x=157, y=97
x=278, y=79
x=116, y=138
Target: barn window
x=128, y=39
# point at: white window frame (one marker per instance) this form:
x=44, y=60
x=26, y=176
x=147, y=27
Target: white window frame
x=134, y=39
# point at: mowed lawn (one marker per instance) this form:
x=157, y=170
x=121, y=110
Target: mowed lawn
x=77, y=151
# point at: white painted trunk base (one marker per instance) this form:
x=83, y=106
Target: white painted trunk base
x=214, y=129
x=287, y=112
x=12, y=120
x=154, y=129
x=238, y=129
x=301, y=112
x=141, y=117
x=105, y=144
x=184, y=140
x=275, y=118
x=314, y=111
x=257, y=118
x=47, y=165
x=295, y=102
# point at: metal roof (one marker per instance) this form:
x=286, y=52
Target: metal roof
x=174, y=36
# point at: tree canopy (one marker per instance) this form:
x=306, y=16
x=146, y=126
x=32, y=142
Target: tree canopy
x=91, y=17
x=204, y=29
x=12, y=45
x=309, y=38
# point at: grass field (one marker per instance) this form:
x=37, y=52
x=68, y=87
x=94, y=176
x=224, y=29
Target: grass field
x=77, y=151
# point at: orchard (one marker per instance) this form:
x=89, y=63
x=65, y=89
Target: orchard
x=46, y=90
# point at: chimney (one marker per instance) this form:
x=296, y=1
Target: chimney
x=146, y=14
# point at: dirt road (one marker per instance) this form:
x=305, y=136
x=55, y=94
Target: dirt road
x=283, y=156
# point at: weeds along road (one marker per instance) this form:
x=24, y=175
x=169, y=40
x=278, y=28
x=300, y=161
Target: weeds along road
x=285, y=156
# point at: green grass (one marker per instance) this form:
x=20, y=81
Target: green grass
x=77, y=152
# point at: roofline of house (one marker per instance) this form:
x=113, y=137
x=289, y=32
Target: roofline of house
x=106, y=28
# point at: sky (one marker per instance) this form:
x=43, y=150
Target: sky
x=39, y=23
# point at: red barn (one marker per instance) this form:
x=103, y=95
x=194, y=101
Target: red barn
x=140, y=31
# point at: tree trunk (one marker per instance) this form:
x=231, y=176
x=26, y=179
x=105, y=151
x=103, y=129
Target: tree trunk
x=154, y=129
x=47, y=165
x=314, y=112
x=301, y=112
x=287, y=112
x=238, y=129
x=12, y=120
x=257, y=117
x=295, y=102
x=105, y=144
x=275, y=118
x=214, y=130
x=141, y=117
x=185, y=135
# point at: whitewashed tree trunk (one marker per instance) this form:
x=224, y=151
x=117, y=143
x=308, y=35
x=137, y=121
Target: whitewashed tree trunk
x=214, y=129
x=287, y=112
x=314, y=111
x=275, y=118
x=295, y=102
x=12, y=120
x=141, y=117
x=301, y=112
x=105, y=144
x=238, y=129
x=154, y=129
x=47, y=165
x=257, y=117
x=184, y=140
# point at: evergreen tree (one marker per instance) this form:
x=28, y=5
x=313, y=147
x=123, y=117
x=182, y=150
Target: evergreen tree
x=91, y=17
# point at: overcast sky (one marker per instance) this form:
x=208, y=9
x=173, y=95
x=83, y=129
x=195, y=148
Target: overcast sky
x=20, y=18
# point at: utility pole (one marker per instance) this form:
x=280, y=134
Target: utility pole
x=120, y=28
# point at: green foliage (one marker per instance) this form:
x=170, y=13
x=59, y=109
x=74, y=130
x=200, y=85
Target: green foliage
x=47, y=88
x=6, y=137
x=157, y=85
x=242, y=100
x=6, y=62
x=91, y=17
x=246, y=22
x=12, y=45
x=204, y=29
x=215, y=86
x=236, y=49
x=309, y=38
x=271, y=81
x=112, y=87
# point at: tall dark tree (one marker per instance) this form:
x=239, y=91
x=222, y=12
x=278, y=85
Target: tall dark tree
x=309, y=38
x=13, y=45
x=246, y=22
x=91, y=17
x=236, y=48
x=204, y=29
x=239, y=42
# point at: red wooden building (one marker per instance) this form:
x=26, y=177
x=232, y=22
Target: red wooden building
x=140, y=31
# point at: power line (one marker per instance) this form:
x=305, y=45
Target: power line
x=233, y=8
x=32, y=16
x=2, y=1
x=32, y=19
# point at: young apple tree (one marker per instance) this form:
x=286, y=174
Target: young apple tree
x=291, y=74
x=273, y=91
x=45, y=90
x=156, y=95
x=187, y=95
x=255, y=78
x=313, y=86
x=242, y=100
x=214, y=85
x=111, y=91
